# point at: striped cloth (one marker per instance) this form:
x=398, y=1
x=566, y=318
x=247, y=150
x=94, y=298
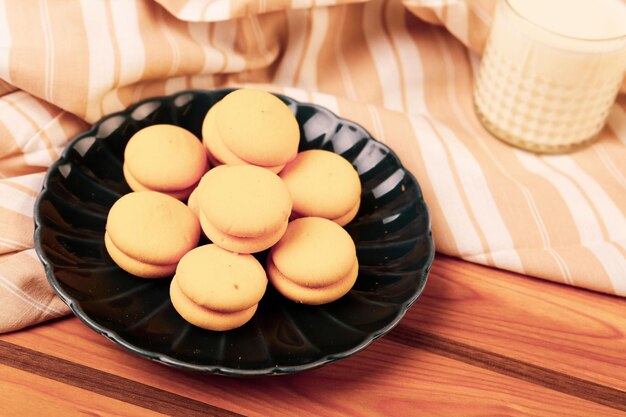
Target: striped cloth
x=403, y=70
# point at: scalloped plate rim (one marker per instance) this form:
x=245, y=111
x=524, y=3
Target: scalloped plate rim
x=218, y=370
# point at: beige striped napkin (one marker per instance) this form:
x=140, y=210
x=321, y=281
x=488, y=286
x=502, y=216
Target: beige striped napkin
x=387, y=64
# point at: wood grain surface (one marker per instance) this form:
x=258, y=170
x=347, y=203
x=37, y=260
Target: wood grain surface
x=478, y=342
x=47, y=397
x=542, y=323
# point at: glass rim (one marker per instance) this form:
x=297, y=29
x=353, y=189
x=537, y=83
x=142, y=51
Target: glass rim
x=552, y=32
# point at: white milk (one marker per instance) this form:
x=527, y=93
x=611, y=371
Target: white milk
x=551, y=71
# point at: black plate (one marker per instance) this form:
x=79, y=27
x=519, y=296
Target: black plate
x=392, y=235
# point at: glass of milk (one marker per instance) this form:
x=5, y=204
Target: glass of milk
x=551, y=71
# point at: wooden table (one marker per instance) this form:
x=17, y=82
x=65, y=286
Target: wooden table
x=478, y=342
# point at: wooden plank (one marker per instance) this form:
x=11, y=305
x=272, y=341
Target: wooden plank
x=24, y=394
x=108, y=385
x=569, y=330
x=388, y=378
x=505, y=365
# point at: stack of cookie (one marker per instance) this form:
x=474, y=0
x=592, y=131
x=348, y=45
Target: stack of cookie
x=260, y=194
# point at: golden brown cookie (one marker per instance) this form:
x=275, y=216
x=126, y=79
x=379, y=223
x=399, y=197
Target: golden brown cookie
x=250, y=126
x=323, y=184
x=243, y=208
x=240, y=244
x=148, y=232
x=308, y=294
x=135, y=267
x=219, y=154
x=137, y=186
x=314, y=263
x=216, y=289
x=164, y=158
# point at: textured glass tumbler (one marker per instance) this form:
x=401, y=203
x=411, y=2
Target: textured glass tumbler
x=543, y=91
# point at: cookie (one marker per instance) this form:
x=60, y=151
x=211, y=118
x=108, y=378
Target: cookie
x=137, y=186
x=135, y=267
x=243, y=208
x=323, y=184
x=253, y=127
x=216, y=289
x=241, y=244
x=148, y=232
x=314, y=262
x=219, y=154
x=164, y=158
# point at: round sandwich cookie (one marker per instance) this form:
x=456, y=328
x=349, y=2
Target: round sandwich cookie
x=314, y=263
x=148, y=232
x=164, y=158
x=253, y=127
x=323, y=184
x=216, y=289
x=243, y=208
x=218, y=153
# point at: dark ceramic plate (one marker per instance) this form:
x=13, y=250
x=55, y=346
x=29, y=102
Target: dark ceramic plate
x=391, y=231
